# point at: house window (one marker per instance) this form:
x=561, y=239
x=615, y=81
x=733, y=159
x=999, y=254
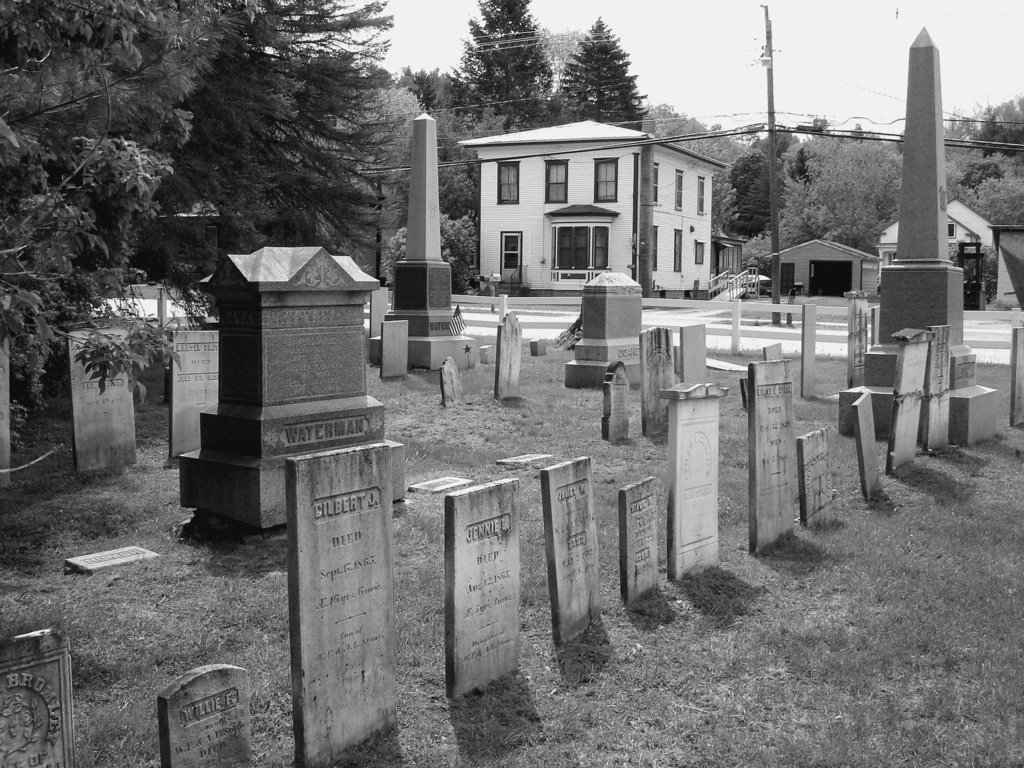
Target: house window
x=677, y=250
x=556, y=181
x=581, y=247
x=679, y=190
x=700, y=195
x=654, y=250
x=606, y=181
x=511, y=250
x=951, y=230
x=698, y=252
x=654, y=183
x=508, y=183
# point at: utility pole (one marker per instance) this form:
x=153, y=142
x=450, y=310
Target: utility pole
x=645, y=222
x=767, y=60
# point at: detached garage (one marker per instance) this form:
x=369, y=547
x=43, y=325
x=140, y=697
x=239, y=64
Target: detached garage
x=824, y=268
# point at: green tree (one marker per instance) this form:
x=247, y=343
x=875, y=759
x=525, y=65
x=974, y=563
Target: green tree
x=597, y=85
x=748, y=215
x=504, y=66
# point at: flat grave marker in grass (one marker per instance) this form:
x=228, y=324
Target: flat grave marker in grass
x=481, y=570
x=864, y=434
x=35, y=701
x=110, y=558
x=638, y=539
x=340, y=599
x=440, y=485
x=203, y=719
x=525, y=459
x=193, y=386
x=692, y=354
x=908, y=391
x=657, y=372
x=815, y=479
x=394, y=349
x=571, y=546
x=935, y=407
x=692, y=485
x=509, y=358
x=104, y=422
x=1016, y=376
x=615, y=416
x=771, y=460
x=453, y=392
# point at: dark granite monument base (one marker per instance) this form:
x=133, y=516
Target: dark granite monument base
x=589, y=374
x=919, y=294
x=373, y=347
x=593, y=356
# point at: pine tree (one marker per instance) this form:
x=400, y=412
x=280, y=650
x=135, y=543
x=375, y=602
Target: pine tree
x=597, y=84
x=504, y=66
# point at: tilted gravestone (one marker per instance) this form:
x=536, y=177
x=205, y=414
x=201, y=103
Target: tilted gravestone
x=771, y=463
x=340, y=599
x=615, y=418
x=193, y=386
x=612, y=314
x=104, y=421
x=452, y=390
x=815, y=479
x=35, y=701
x=1016, y=376
x=867, y=460
x=692, y=355
x=908, y=390
x=935, y=406
x=481, y=570
x=858, y=339
x=509, y=358
x=692, y=486
x=657, y=372
x=638, y=539
x=571, y=546
x=394, y=349
x=203, y=719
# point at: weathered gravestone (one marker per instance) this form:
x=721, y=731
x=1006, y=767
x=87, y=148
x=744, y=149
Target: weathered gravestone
x=615, y=421
x=510, y=358
x=203, y=719
x=867, y=460
x=110, y=558
x=657, y=372
x=815, y=479
x=692, y=485
x=379, y=303
x=452, y=390
x=481, y=575
x=193, y=386
x=570, y=543
x=808, y=349
x=104, y=421
x=771, y=463
x=538, y=347
x=487, y=354
x=858, y=338
x=772, y=352
x=935, y=407
x=340, y=599
x=611, y=312
x=638, y=539
x=692, y=355
x=1016, y=376
x=5, y=414
x=292, y=379
x=394, y=349
x=36, y=722
x=908, y=391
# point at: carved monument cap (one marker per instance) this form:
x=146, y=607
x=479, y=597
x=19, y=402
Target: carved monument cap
x=693, y=391
x=270, y=269
x=612, y=282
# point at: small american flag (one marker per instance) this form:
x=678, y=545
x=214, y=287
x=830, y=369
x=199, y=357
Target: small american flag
x=457, y=325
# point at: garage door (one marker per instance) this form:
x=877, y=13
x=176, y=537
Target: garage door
x=831, y=278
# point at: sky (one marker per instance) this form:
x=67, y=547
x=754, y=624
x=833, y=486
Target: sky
x=842, y=60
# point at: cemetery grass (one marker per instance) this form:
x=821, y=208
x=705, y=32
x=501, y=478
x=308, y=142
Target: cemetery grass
x=893, y=638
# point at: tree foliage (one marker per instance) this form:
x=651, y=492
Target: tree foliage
x=458, y=248
x=597, y=85
x=748, y=215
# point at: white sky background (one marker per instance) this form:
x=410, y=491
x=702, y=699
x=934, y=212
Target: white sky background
x=845, y=61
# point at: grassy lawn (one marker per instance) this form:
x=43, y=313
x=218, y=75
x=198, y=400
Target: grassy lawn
x=894, y=639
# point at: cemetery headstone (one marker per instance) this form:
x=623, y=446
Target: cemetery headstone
x=340, y=599
x=615, y=421
x=104, y=421
x=193, y=386
x=481, y=576
x=867, y=460
x=692, y=484
x=772, y=352
x=816, y=500
x=487, y=354
x=935, y=407
x=35, y=701
x=611, y=313
x=379, y=303
x=203, y=719
x=857, y=336
x=808, y=349
x=1016, y=376
x=510, y=358
x=771, y=464
x=452, y=390
x=657, y=372
x=5, y=414
x=638, y=539
x=743, y=392
x=538, y=347
x=570, y=543
x=908, y=391
x=691, y=358
x=394, y=349
x=110, y=558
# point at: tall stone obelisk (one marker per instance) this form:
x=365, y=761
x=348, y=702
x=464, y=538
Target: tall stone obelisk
x=423, y=285
x=922, y=287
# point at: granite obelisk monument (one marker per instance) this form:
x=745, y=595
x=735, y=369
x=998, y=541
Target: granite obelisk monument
x=423, y=285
